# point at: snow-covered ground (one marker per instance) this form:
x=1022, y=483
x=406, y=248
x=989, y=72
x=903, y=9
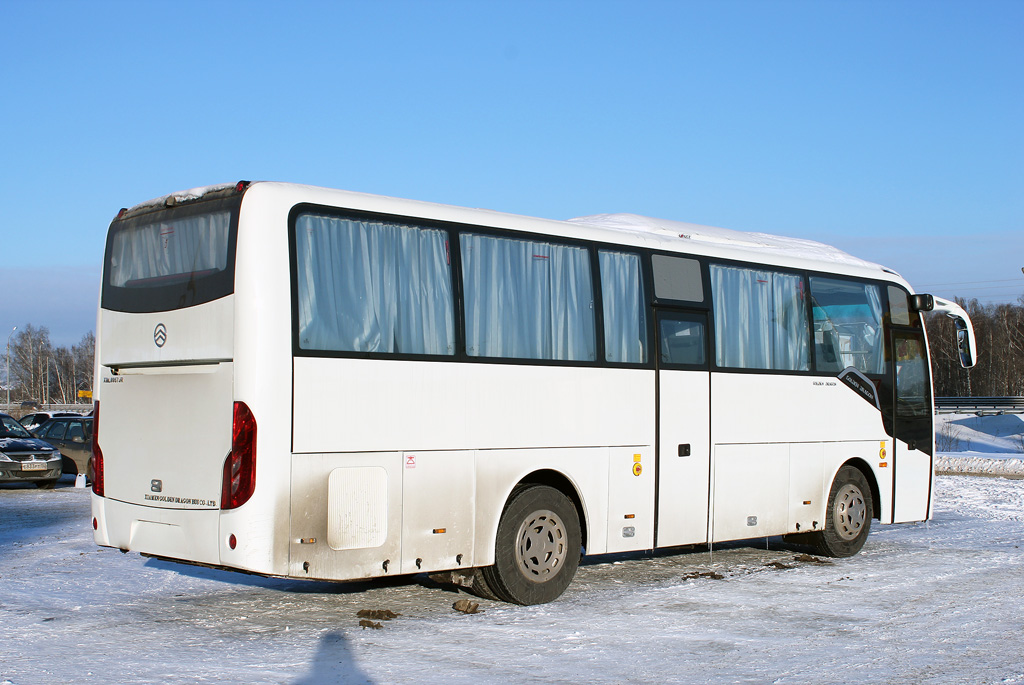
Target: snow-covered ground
x=936, y=602
x=980, y=445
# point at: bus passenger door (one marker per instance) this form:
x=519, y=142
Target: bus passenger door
x=684, y=427
x=913, y=447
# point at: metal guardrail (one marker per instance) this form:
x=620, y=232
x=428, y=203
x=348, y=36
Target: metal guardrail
x=979, y=405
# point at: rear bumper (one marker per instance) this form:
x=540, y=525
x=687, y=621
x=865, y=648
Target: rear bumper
x=170, y=533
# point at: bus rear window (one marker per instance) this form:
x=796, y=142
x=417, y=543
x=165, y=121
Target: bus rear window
x=171, y=259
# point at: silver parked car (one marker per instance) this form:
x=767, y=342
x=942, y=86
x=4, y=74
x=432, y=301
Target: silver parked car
x=24, y=458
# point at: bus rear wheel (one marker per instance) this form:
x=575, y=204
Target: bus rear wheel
x=847, y=517
x=537, y=548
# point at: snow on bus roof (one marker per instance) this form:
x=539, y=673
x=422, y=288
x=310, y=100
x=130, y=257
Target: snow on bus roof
x=182, y=196
x=725, y=237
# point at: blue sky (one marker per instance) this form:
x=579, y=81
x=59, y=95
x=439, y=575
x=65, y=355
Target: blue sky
x=890, y=129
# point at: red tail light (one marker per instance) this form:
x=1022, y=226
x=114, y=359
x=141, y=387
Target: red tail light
x=240, y=466
x=97, y=453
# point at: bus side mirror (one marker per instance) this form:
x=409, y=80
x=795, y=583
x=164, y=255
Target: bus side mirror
x=922, y=303
x=965, y=343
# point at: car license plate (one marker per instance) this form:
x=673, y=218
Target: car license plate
x=33, y=466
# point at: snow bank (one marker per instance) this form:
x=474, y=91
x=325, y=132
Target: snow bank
x=948, y=464
x=980, y=445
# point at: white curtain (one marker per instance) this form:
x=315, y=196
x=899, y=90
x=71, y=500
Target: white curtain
x=527, y=300
x=625, y=320
x=150, y=252
x=373, y=287
x=760, y=319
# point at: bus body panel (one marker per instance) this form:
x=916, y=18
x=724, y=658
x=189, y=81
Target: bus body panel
x=776, y=426
x=201, y=333
x=165, y=433
x=263, y=380
x=684, y=413
x=806, y=501
x=913, y=484
x=437, y=511
x=314, y=521
x=750, y=483
x=390, y=405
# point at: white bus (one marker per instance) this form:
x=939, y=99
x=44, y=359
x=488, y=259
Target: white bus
x=311, y=383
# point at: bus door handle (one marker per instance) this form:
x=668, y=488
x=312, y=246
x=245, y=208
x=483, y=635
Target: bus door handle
x=684, y=450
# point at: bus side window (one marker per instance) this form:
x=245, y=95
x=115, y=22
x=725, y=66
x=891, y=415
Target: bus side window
x=373, y=286
x=527, y=299
x=761, y=319
x=847, y=326
x=625, y=318
x=682, y=340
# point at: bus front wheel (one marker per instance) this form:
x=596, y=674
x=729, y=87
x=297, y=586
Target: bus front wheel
x=537, y=548
x=847, y=517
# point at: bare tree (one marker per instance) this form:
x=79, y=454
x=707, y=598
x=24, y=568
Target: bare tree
x=48, y=374
x=84, y=355
x=31, y=352
x=999, y=330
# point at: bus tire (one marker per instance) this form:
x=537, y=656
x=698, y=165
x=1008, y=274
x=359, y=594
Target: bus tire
x=847, y=516
x=480, y=588
x=537, y=548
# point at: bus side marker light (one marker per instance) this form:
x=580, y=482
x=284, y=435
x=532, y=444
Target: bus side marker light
x=440, y=531
x=95, y=524
x=307, y=541
x=882, y=464
x=630, y=516
x=806, y=502
x=232, y=541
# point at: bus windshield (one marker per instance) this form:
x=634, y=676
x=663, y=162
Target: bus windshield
x=170, y=259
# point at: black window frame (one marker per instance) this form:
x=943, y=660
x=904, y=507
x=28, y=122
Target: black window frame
x=654, y=305
x=454, y=266
x=170, y=297
x=693, y=315
x=646, y=296
x=455, y=230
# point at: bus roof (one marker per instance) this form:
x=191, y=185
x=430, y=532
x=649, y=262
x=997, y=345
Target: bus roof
x=712, y=236
x=630, y=229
